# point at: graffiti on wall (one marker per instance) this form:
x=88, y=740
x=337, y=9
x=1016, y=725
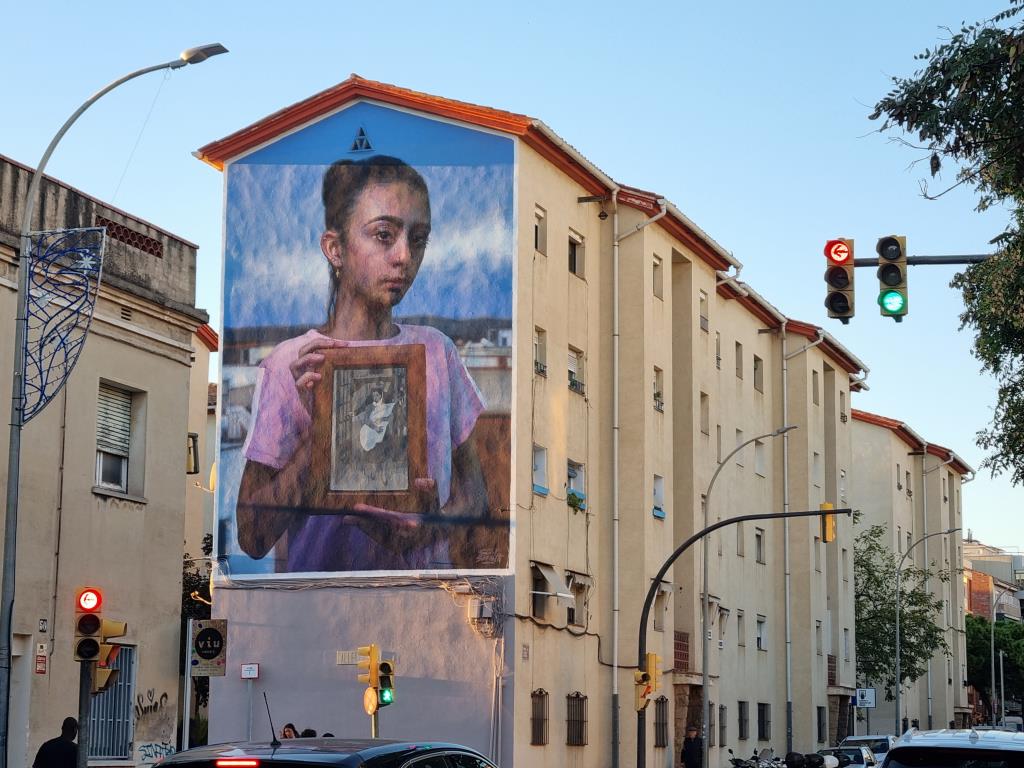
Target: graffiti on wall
x=155, y=724
x=153, y=751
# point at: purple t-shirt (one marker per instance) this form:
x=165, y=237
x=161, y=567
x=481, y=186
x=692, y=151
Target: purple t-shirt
x=281, y=424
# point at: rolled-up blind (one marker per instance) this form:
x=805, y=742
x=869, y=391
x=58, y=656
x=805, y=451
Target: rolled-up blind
x=113, y=420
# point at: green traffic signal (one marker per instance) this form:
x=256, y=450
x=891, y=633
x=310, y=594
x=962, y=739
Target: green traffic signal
x=892, y=302
x=387, y=696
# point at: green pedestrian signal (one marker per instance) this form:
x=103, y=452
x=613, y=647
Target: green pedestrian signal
x=386, y=682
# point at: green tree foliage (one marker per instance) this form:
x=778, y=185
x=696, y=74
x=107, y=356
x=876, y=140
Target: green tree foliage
x=966, y=104
x=1009, y=637
x=195, y=589
x=874, y=573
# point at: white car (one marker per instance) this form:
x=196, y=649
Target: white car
x=879, y=744
x=957, y=749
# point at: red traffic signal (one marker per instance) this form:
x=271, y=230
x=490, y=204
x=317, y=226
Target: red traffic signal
x=839, y=251
x=839, y=265
x=88, y=600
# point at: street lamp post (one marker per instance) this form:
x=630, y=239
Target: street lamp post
x=992, y=653
x=189, y=56
x=899, y=574
x=705, y=639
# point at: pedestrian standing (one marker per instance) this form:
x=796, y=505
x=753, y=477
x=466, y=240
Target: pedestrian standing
x=693, y=748
x=60, y=752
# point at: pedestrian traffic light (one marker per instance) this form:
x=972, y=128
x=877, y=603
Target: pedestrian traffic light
x=653, y=670
x=839, y=279
x=892, y=276
x=828, y=524
x=642, y=689
x=369, y=661
x=103, y=676
x=88, y=622
x=386, y=682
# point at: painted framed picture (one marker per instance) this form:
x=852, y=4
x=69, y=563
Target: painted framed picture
x=369, y=429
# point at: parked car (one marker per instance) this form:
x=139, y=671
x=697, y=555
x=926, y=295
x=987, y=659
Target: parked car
x=340, y=753
x=856, y=754
x=879, y=744
x=957, y=749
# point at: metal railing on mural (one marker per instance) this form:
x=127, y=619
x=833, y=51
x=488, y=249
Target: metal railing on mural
x=63, y=281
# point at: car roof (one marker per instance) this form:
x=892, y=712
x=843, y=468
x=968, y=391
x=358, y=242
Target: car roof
x=963, y=738
x=319, y=750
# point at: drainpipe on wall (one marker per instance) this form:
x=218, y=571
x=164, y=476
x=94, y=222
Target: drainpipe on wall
x=616, y=239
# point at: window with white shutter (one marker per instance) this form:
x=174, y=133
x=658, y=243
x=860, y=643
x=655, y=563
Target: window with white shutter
x=113, y=437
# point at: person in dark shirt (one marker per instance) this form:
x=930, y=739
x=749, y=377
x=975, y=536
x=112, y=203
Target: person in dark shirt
x=61, y=752
x=693, y=748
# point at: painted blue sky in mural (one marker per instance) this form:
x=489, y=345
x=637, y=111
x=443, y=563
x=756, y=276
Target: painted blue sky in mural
x=275, y=273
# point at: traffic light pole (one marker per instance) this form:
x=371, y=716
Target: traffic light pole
x=924, y=260
x=374, y=726
x=645, y=612
x=84, y=711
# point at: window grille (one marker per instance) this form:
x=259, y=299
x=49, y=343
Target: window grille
x=661, y=722
x=711, y=723
x=764, y=721
x=539, y=717
x=723, y=725
x=110, y=721
x=821, y=725
x=743, y=720
x=130, y=237
x=576, y=719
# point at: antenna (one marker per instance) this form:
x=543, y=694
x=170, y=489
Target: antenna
x=273, y=732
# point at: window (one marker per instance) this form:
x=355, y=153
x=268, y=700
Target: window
x=540, y=470
x=759, y=545
x=815, y=396
x=822, y=729
x=846, y=645
x=703, y=298
x=739, y=441
x=764, y=721
x=739, y=360
x=762, y=633
x=723, y=725
x=540, y=594
x=660, y=607
x=548, y=583
x=659, y=389
x=579, y=587
x=576, y=485
x=718, y=443
x=120, y=436
x=818, y=640
x=945, y=496
x=817, y=554
x=576, y=719
x=740, y=543
x=711, y=723
x=909, y=540
x=576, y=370
x=816, y=469
x=661, y=722
x=899, y=543
x=846, y=565
x=842, y=487
x=576, y=253
x=760, y=458
x=741, y=629
x=540, y=351
x=540, y=230
x=658, y=277
x=910, y=491
x=842, y=408
x=899, y=474
x=659, y=497
x=718, y=350
x=110, y=719
x=743, y=719
x=758, y=374
x=705, y=413
x=539, y=717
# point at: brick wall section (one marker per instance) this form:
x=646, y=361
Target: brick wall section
x=681, y=652
x=979, y=595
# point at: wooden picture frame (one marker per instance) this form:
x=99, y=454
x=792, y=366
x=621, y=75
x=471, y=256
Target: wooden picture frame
x=370, y=430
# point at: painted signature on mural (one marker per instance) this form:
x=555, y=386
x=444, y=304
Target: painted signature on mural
x=150, y=704
x=149, y=753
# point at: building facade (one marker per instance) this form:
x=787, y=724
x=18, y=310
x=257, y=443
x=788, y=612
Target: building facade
x=913, y=488
x=103, y=484
x=631, y=362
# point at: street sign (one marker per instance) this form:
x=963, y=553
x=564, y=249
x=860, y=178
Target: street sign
x=251, y=671
x=209, y=648
x=866, y=698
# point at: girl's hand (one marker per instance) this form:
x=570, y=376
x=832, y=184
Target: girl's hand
x=304, y=369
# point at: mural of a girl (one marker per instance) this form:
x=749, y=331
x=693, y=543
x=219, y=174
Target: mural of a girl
x=377, y=224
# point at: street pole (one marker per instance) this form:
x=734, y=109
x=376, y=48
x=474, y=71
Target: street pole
x=190, y=56
x=899, y=573
x=84, y=711
x=992, y=655
x=645, y=611
x=705, y=638
x=1002, y=690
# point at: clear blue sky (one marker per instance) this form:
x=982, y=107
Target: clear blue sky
x=750, y=117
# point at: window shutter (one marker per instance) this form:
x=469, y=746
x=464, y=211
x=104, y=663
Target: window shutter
x=573, y=363
x=113, y=420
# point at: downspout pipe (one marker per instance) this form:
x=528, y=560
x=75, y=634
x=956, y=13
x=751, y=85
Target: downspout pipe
x=616, y=429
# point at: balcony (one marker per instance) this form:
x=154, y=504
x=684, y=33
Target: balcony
x=541, y=369
x=576, y=385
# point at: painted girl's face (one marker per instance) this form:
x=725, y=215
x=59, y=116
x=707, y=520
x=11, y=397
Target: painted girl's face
x=383, y=245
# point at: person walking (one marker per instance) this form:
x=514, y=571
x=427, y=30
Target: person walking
x=693, y=748
x=62, y=751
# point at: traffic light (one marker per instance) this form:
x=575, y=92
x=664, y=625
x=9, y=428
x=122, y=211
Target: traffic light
x=839, y=279
x=88, y=622
x=371, y=665
x=386, y=682
x=642, y=689
x=828, y=524
x=103, y=676
x=653, y=670
x=892, y=276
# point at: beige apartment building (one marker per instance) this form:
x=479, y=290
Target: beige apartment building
x=913, y=488
x=124, y=410
x=672, y=362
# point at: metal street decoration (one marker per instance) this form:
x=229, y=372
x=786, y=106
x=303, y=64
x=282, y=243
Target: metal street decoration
x=63, y=282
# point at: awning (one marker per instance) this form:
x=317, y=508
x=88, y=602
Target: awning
x=556, y=586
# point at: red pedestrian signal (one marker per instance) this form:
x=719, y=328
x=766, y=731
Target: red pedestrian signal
x=839, y=266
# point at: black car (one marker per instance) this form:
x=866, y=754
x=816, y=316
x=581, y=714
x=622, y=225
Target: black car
x=344, y=753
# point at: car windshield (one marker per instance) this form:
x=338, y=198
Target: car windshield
x=855, y=755
x=875, y=745
x=947, y=757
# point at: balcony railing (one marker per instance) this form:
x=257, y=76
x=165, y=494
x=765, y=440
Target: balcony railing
x=681, y=652
x=575, y=384
x=540, y=368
